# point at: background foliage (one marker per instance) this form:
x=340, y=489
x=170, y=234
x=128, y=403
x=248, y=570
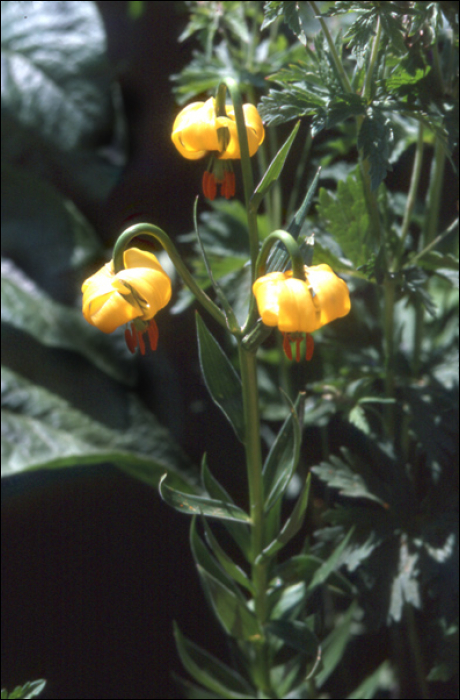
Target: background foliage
x=378, y=102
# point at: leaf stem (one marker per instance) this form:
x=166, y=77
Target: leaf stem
x=335, y=57
x=159, y=235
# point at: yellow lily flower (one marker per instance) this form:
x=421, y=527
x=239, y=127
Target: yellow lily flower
x=135, y=294
x=297, y=306
x=195, y=134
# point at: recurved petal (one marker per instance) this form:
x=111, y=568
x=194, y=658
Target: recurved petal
x=195, y=131
x=109, y=311
x=152, y=288
x=331, y=291
x=297, y=312
x=267, y=292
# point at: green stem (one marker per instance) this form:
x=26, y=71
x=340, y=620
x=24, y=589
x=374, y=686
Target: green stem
x=248, y=180
x=158, y=234
x=248, y=367
x=389, y=304
x=411, y=197
x=367, y=89
x=335, y=57
x=430, y=228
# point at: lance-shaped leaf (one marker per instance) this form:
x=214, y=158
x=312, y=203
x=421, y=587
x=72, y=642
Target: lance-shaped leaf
x=29, y=690
x=381, y=679
x=274, y=170
x=291, y=526
x=304, y=567
x=228, y=565
x=283, y=457
x=334, y=645
x=325, y=570
x=234, y=615
x=209, y=671
x=199, y=505
x=205, y=559
x=295, y=634
x=222, y=381
x=238, y=530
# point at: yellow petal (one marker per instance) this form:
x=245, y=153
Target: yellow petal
x=331, y=291
x=194, y=130
x=254, y=130
x=297, y=311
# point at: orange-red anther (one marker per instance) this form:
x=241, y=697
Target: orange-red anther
x=287, y=346
x=152, y=331
x=140, y=338
x=130, y=342
x=310, y=346
x=228, y=186
x=209, y=185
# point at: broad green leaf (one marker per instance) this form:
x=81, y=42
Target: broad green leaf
x=199, y=505
x=235, y=617
x=238, y=530
x=55, y=75
x=345, y=216
x=283, y=457
x=295, y=634
x=291, y=526
x=274, y=170
x=209, y=671
x=29, y=309
x=41, y=430
x=381, y=679
x=222, y=381
x=322, y=574
x=334, y=645
x=29, y=690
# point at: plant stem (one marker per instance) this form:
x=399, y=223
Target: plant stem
x=335, y=57
x=389, y=304
x=411, y=197
x=430, y=228
x=248, y=368
x=125, y=238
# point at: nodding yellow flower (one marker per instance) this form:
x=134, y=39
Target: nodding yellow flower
x=134, y=294
x=198, y=131
x=297, y=306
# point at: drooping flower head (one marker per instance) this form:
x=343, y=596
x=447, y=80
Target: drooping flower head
x=132, y=295
x=301, y=306
x=198, y=131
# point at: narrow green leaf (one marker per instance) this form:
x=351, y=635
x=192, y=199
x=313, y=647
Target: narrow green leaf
x=326, y=569
x=274, y=169
x=29, y=690
x=222, y=381
x=226, y=563
x=189, y=690
x=235, y=617
x=198, y=505
x=334, y=645
x=238, y=530
x=304, y=566
x=295, y=634
x=205, y=559
x=283, y=457
x=291, y=526
x=209, y=671
x=381, y=679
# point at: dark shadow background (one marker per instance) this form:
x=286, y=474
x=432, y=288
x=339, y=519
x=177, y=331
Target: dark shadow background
x=94, y=566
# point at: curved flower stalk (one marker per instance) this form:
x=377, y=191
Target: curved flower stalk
x=199, y=130
x=298, y=306
x=134, y=294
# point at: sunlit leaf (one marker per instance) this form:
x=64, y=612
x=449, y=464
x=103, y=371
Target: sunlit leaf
x=199, y=505
x=274, y=169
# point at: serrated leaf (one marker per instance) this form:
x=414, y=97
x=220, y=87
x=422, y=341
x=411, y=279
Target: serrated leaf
x=358, y=418
x=29, y=309
x=274, y=170
x=345, y=215
x=55, y=77
x=199, y=505
x=295, y=634
x=405, y=586
x=209, y=671
x=235, y=617
x=338, y=474
x=283, y=457
x=222, y=381
x=290, y=527
x=375, y=140
x=41, y=430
